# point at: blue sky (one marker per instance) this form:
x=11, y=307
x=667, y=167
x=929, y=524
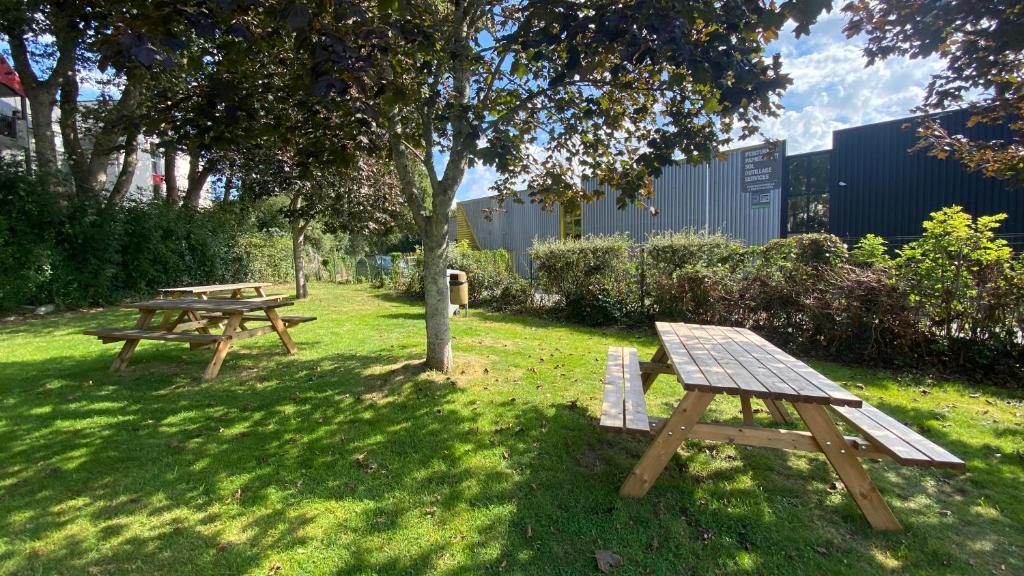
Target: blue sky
x=831, y=89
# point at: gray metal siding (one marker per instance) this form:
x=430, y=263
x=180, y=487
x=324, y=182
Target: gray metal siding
x=680, y=194
x=512, y=227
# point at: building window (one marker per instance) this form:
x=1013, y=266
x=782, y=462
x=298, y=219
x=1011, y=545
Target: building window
x=571, y=222
x=807, y=209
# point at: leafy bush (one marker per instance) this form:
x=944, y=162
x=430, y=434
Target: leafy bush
x=692, y=276
x=967, y=286
x=492, y=283
x=871, y=252
x=81, y=252
x=594, y=277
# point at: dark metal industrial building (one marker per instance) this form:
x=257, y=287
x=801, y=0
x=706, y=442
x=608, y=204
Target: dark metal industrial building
x=868, y=182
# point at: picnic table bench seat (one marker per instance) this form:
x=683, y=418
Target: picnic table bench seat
x=897, y=440
x=109, y=335
x=288, y=320
x=623, y=408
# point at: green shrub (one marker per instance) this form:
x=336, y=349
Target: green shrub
x=594, y=278
x=963, y=278
x=692, y=276
x=871, y=252
x=82, y=252
x=492, y=283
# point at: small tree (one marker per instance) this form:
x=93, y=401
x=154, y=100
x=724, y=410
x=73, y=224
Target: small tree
x=542, y=91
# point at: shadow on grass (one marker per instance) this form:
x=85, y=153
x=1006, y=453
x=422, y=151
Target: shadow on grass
x=362, y=454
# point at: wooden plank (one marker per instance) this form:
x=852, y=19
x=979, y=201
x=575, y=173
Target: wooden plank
x=886, y=441
x=716, y=375
x=216, y=288
x=121, y=360
x=687, y=372
x=208, y=305
x=746, y=382
x=142, y=334
x=776, y=386
x=778, y=411
x=839, y=396
x=844, y=461
x=647, y=367
x=281, y=329
x=677, y=428
x=658, y=365
x=747, y=409
x=908, y=446
x=213, y=368
x=250, y=332
x=803, y=390
x=613, y=403
x=635, y=407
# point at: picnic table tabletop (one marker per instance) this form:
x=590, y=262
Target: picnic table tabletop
x=726, y=360
x=214, y=305
x=216, y=288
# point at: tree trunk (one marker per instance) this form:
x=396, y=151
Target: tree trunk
x=197, y=177
x=435, y=286
x=171, y=175
x=41, y=105
x=298, y=252
x=298, y=247
x=128, y=166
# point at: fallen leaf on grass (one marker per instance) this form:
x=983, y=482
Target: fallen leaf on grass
x=504, y=455
x=529, y=531
x=238, y=494
x=274, y=568
x=430, y=511
x=607, y=561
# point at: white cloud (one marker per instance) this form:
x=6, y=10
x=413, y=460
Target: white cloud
x=476, y=183
x=832, y=87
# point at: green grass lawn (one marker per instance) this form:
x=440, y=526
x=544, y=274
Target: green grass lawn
x=347, y=459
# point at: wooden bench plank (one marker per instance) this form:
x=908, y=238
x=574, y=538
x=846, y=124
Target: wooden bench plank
x=718, y=378
x=776, y=386
x=686, y=369
x=635, y=407
x=117, y=334
x=613, y=405
x=900, y=450
x=839, y=396
x=804, y=391
x=746, y=381
x=890, y=434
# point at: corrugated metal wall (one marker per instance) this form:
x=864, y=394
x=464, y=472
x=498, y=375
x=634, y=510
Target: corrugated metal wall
x=680, y=194
x=889, y=191
x=513, y=227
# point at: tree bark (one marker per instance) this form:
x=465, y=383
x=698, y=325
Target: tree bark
x=171, y=175
x=435, y=286
x=41, y=105
x=299, y=248
x=197, y=177
x=128, y=166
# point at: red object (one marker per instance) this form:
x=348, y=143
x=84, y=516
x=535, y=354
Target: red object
x=158, y=178
x=9, y=78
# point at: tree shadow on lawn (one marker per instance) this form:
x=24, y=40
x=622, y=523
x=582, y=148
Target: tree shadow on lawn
x=363, y=463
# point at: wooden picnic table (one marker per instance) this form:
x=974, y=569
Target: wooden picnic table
x=236, y=290
x=713, y=360
x=192, y=320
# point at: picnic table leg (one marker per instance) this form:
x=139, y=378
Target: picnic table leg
x=281, y=330
x=747, y=409
x=259, y=292
x=778, y=411
x=648, y=379
x=222, y=347
x=677, y=428
x=847, y=466
x=130, y=345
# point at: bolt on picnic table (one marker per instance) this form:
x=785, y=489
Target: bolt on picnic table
x=194, y=314
x=713, y=360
